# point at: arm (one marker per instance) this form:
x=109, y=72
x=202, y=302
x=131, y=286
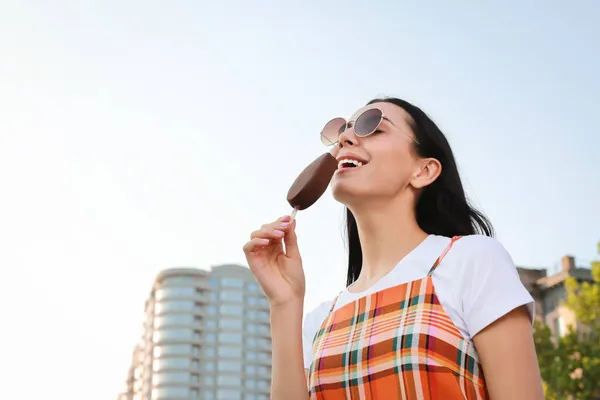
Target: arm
x=288, y=374
x=507, y=355
x=498, y=312
x=279, y=272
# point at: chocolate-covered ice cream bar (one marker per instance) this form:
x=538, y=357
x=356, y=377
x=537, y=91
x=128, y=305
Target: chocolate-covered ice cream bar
x=312, y=182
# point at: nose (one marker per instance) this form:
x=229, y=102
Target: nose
x=347, y=138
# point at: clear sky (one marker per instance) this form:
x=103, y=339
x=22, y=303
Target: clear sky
x=141, y=135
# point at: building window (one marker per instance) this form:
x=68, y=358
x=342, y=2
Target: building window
x=171, y=349
x=231, y=323
x=229, y=366
x=263, y=315
x=264, y=371
x=229, y=394
x=230, y=352
x=210, y=337
x=208, y=366
x=173, y=319
x=261, y=384
x=234, y=338
x=170, y=363
x=232, y=296
x=196, y=350
x=178, y=305
x=170, y=378
x=210, y=323
x=172, y=334
x=209, y=352
x=232, y=283
x=230, y=309
x=229, y=380
x=175, y=291
x=170, y=392
x=208, y=396
x=177, y=279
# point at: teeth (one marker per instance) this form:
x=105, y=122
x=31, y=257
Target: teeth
x=349, y=161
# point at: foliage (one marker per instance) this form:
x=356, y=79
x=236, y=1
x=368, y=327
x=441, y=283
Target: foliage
x=570, y=365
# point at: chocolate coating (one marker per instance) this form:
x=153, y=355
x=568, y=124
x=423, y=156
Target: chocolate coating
x=310, y=185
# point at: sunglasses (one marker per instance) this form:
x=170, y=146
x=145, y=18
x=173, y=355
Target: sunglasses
x=364, y=125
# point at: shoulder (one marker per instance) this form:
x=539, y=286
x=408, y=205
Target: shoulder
x=480, y=261
x=484, y=280
x=478, y=246
x=477, y=254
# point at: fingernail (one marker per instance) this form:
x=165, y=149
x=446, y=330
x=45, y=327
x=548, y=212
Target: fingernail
x=284, y=224
x=264, y=241
x=278, y=232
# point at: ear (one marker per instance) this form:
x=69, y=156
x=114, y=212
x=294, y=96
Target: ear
x=428, y=171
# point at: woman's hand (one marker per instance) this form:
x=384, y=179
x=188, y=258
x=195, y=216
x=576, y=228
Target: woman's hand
x=278, y=271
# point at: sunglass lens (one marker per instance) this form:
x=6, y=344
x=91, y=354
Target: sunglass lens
x=368, y=122
x=332, y=131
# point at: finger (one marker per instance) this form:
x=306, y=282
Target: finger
x=268, y=233
x=281, y=223
x=291, y=242
x=256, y=244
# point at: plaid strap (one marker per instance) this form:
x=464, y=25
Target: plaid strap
x=441, y=257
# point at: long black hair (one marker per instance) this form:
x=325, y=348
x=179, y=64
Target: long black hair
x=442, y=207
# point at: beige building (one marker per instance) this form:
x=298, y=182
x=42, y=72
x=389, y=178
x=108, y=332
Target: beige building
x=206, y=337
x=549, y=293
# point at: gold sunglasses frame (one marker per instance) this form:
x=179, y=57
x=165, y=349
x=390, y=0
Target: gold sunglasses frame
x=350, y=123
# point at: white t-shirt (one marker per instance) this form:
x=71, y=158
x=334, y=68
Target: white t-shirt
x=476, y=283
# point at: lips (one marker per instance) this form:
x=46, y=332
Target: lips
x=349, y=163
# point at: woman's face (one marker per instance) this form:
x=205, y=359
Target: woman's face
x=389, y=162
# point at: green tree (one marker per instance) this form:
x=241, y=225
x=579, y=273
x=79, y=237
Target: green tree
x=570, y=365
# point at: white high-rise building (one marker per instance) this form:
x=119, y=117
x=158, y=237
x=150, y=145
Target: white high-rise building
x=206, y=337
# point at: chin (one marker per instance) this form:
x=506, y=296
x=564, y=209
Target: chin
x=348, y=192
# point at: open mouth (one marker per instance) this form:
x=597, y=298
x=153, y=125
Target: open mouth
x=349, y=163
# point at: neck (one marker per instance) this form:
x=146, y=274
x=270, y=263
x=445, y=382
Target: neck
x=388, y=232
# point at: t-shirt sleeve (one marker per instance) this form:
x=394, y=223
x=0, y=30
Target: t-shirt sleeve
x=312, y=323
x=491, y=284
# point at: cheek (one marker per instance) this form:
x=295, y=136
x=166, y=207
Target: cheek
x=393, y=158
x=391, y=170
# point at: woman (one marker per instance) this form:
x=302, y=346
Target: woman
x=434, y=307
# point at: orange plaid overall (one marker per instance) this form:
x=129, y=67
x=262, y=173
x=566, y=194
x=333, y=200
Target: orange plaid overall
x=397, y=343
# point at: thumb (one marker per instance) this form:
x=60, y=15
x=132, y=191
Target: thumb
x=291, y=242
